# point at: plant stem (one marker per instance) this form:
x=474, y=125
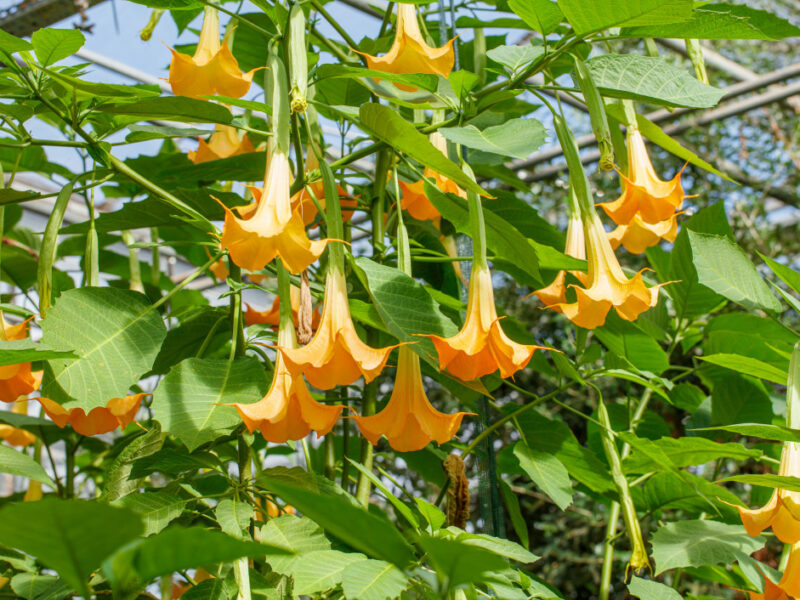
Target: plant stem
x=197, y=273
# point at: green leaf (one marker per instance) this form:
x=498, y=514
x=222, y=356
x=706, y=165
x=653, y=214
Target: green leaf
x=499, y=546
x=424, y=81
x=169, y=4
x=11, y=43
x=518, y=522
x=547, y=472
x=16, y=462
x=119, y=479
x=157, y=509
x=517, y=138
x=372, y=580
x=601, y=14
x=139, y=133
x=723, y=21
x=32, y=586
x=322, y=570
x=435, y=517
x=724, y=267
x=501, y=237
x=21, y=351
x=778, y=433
x=748, y=366
x=627, y=341
x=698, y=543
x=109, y=90
x=53, y=45
x=389, y=127
x=398, y=504
x=457, y=563
x=300, y=535
x=789, y=276
x=651, y=590
x=174, y=108
x=690, y=451
x=514, y=57
x=655, y=134
x=650, y=79
x=352, y=524
x=541, y=15
x=189, y=399
x=116, y=334
x=72, y=537
x=234, y=517
x=177, y=549
x=791, y=484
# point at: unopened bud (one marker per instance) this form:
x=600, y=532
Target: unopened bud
x=155, y=17
x=298, y=59
x=597, y=113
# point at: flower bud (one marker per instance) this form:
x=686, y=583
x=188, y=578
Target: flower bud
x=298, y=60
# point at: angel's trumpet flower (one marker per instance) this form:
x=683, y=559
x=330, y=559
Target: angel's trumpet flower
x=644, y=194
x=410, y=53
x=605, y=285
x=288, y=412
x=14, y=435
x=413, y=197
x=408, y=421
x=212, y=70
x=272, y=316
x=268, y=228
x=638, y=235
x=782, y=512
x=16, y=380
x=223, y=143
x=481, y=347
x=788, y=587
x=118, y=412
x=336, y=355
x=555, y=294
x=303, y=203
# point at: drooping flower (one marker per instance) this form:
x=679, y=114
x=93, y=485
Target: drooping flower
x=481, y=347
x=267, y=228
x=410, y=53
x=118, y=412
x=272, y=316
x=288, y=412
x=303, y=203
x=653, y=199
x=638, y=235
x=604, y=286
x=409, y=421
x=413, y=197
x=555, y=294
x=782, y=512
x=212, y=70
x=16, y=436
x=18, y=379
x=788, y=588
x=336, y=355
x=223, y=143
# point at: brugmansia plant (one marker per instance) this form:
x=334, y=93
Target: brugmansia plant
x=389, y=366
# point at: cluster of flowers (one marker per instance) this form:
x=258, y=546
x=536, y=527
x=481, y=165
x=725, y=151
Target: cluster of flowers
x=274, y=226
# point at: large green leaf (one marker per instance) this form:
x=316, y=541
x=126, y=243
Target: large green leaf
x=690, y=451
x=11, y=43
x=541, y=15
x=119, y=480
x=21, y=351
x=72, y=537
x=722, y=21
x=601, y=14
x=644, y=589
x=457, y=563
x=389, y=127
x=15, y=462
x=517, y=138
x=53, y=45
x=650, y=79
x=778, y=433
x=188, y=400
x=352, y=524
x=321, y=570
x=157, y=509
x=748, y=366
x=300, y=535
x=177, y=549
x=724, y=267
x=174, y=108
x=791, y=484
x=116, y=334
x=372, y=580
x=547, y=472
x=627, y=341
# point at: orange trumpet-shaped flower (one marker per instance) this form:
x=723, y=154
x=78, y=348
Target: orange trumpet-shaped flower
x=788, y=588
x=336, y=355
x=272, y=316
x=224, y=142
x=212, y=70
x=14, y=435
x=288, y=412
x=604, y=286
x=16, y=380
x=638, y=235
x=304, y=205
x=410, y=53
x=782, y=512
x=644, y=193
x=555, y=294
x=413, y=198
x=118, y=412
x=268, y=228
x=481, y=347
x=408, y=421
